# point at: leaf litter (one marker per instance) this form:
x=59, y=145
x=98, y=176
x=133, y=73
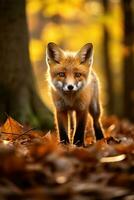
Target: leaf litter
x=35, y=166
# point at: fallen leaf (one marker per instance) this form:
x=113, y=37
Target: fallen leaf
x=11, y=128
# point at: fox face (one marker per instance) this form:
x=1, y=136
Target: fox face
x=69, y=72
x=66, y=83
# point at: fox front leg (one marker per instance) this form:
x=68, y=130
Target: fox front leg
x=81, y=119
x=95, y=112
x=62, y=127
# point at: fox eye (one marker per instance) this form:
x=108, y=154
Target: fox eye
x=77, y=74
x=61, y=74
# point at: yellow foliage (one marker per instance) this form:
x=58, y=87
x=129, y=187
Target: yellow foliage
x=66, y=9
x=33, y=6
x=52, y=32
x=36, y=50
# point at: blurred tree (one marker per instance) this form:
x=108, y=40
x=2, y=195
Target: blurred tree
x=128, y=59
x=18, y=96
x=107, y=63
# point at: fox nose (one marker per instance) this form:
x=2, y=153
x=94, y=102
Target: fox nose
x=70, y=87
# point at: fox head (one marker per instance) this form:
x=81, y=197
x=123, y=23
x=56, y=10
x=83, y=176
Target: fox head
x=69, y=71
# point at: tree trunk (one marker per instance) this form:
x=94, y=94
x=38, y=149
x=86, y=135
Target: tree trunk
x=18, y=96
x=128, y=59
x=107, y=64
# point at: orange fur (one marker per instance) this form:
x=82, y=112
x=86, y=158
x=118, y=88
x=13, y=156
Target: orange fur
x=74, y=87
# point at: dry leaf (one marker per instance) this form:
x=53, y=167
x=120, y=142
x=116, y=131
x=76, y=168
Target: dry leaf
x=11, y=128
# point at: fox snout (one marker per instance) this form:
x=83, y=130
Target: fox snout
x=68, y=87
x=72, y=87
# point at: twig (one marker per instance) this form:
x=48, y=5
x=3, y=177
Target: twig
x=25, y=133
x=8, y=133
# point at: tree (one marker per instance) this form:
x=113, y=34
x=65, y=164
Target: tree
x=128, y=70
x=107, y=63
x=18, y=96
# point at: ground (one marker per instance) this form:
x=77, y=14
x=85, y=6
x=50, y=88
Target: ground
x=37, y=167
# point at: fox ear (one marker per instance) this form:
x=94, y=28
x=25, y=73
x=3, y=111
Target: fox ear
x=86, y=53
x=53, y=53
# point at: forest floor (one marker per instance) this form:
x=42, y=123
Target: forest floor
x=37, y=167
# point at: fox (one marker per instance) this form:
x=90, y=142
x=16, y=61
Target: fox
x=74, y=87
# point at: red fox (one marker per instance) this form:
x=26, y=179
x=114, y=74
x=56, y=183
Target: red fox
x=74, y=87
